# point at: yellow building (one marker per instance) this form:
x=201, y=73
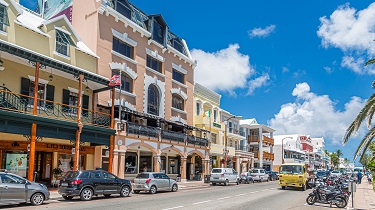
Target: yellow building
x=46, y=59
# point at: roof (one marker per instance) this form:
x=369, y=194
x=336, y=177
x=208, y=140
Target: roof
x=252, y=123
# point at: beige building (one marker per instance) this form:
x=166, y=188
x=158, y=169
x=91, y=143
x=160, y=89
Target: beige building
x=50, y=57
x=156, y=94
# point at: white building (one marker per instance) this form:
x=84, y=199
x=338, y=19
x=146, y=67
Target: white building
x=293, y=152
x=320, y=159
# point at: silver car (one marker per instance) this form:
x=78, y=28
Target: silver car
x=153, y=182
x=15, y=189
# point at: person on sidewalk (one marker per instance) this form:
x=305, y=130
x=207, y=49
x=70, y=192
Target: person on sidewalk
x=369, y=178
x=359, y=177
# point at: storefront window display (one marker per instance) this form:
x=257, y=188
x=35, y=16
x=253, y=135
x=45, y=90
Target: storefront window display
x=131, y=161
x=145, y=163
x=16, y=162
x=65, y=162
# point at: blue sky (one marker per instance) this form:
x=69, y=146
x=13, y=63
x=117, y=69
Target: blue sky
x=299, y=65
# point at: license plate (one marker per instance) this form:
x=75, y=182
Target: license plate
x=216, y=177
x=64, y=184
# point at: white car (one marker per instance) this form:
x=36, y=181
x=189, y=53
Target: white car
x=335, y=174
x=259, y=175
x=224, y=176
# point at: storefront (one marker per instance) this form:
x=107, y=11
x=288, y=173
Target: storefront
x=14, y=157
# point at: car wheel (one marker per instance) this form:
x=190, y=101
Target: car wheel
x=283, y=187
x=37, y=199
x=68, y=198
x=213, y=184
x=303, y=187
x=86, y=194
x=125, y=191
x=136, y=191
x=174, y=188
x=267, y=180
x=226, y=183
x=153, y=189
x=107, y=195
x=261, y=180
x=238, y=182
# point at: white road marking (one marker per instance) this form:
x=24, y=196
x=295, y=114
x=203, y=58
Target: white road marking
x=224, y=198
x=202, y=202
x=241, y=194
x=176, y=207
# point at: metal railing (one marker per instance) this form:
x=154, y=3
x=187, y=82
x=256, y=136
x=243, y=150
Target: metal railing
x=23, y=103
x=197, y=141
x=142, y=130
x=173, y=136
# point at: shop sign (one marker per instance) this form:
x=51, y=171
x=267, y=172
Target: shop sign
x=45, y=147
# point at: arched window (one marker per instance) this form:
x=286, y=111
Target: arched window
x=177, y=102
x=153, y=100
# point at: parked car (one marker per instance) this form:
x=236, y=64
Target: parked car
x=224, y=176
x=322, y=175
x=293, y=175
x=272, y=176
x=259, y=175
x=335, y=174
x=153, y=182
x=245, y=178
x=15, y=189
x=88, y=183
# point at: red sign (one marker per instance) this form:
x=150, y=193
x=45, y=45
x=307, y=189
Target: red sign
x=115, y=81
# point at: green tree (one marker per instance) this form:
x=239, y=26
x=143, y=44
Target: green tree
x=334, y=160
x=339, y=153
x=366, y=114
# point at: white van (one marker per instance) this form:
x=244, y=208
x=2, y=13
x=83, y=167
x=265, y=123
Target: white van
x=258, y=175
x=224, y=176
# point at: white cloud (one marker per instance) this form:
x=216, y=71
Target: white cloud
x=352, y=32
x=299, y=73
x=258, y=82
x=224, y=70
x=328, y=69
x=261, y=32
x=285, y=69
x=315, y=115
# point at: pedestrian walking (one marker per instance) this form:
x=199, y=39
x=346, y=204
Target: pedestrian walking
x=369, y=178
x=359, y=177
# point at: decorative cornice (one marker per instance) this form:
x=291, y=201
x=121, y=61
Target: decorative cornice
x=155, y=54
x=179, y=92
x=179, y=68
x=178, y=119
x=124, y=68
x=124, y=37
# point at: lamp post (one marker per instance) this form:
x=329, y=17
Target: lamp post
x=226, y=139
x=282, y=147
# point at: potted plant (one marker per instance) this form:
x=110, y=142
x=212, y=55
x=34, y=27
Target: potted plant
x=57, y=172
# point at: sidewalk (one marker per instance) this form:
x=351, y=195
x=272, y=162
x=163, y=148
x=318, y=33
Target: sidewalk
x=181, y=185
x=364, y=197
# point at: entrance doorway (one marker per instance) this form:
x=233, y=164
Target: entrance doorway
x=43, y=166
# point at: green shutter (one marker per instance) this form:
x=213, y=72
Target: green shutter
x=65, y=37
x=4, y=19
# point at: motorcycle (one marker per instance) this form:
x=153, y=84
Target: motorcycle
x=332, y=195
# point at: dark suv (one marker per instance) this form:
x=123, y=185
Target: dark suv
x=92, y=182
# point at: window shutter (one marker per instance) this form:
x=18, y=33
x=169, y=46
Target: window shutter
x=85, y=104
x=50, y=96
x=25, y=84
x=65, y=100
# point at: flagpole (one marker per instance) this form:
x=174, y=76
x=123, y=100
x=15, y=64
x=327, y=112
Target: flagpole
x=119, y=100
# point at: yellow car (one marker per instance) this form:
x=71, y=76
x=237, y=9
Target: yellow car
x=293, y=175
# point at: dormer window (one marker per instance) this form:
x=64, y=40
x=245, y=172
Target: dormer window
x=123, y=7
x=63, y=40
x=158, y=34
x=4, y=20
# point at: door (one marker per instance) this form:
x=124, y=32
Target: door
x=13, y=189
x=111, y=183
x=98, y=181
x=234, y=176
x=166, y=181
x=264, y=174
x=159, y=181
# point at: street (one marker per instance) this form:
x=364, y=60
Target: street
x=267, y=195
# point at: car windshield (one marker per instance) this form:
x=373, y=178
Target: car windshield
x=142, y=176
x=335, y=172
x=216, y=170
x=70, y=174
x=291, y=169
x=321, y=173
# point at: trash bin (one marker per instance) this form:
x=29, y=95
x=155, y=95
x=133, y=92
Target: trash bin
x=207, y=178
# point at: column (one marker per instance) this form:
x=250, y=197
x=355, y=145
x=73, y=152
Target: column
x=121, y=168
x=115, y=160
x=238, y=164
x=252, y=163
x=260, y=148
x=138, y=160
x=166, y=164
x=112, y=137
x=80, y=125
x=157, y=163
x=183, y=167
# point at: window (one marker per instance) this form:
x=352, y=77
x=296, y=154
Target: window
x=41, y=93
x=213, y=138
x=4, y=21
x=126, y=81
x=215, y=115
x=231, y=143
x=107, y=175
x=158, y=34
x=177, y=44
x=10, y=179
x=122, y=48
x=177, y=102
x=178, y=76
x=73, y=102
x=236, y=145
x=96, y=175
x=63, y=41
x=153, y=100
x=85, y=175
x=198, y=108
x=230, y=127
x=123, y=8
x=154, y=64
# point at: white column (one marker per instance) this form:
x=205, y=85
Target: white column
x=260, y=148
x=138, y=161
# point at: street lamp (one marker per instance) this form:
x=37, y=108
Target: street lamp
x=282, y=147
x=226, y=139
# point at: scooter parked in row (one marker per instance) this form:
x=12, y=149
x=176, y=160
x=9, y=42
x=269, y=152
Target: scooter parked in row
x=328, y=194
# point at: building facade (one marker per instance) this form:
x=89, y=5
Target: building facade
x=261, y=142
x=154, y=103
x=48, y=77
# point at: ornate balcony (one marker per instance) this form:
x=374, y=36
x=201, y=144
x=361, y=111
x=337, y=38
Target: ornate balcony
x=24, y=104
x=268, y=156
x=268, y=140
x=253, y=138
x=142, y=130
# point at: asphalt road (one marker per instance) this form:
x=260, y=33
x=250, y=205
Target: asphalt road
x=267, y=195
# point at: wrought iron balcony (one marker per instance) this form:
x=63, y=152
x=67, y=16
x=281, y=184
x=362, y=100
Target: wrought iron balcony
x=197, y=141
x=24, y=104
x=173, y=136
x=142, y=130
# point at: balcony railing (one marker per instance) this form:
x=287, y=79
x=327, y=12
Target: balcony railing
x=268, y=156
x=24, y=104
x=268, y=140
x=253, y=138
x=243, y=148
x=236, y=131
x=154, y=132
